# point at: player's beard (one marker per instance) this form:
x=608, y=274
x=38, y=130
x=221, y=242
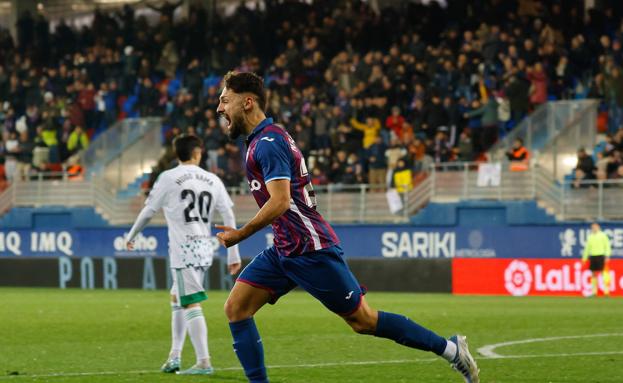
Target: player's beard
x=236, y=127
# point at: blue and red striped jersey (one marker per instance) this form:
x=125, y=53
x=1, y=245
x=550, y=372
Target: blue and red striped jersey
x=272, y=154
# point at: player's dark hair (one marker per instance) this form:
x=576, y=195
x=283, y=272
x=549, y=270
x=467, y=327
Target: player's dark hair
x=185, y=145
x=247, y=82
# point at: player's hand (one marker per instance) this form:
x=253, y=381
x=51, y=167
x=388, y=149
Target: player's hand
x=229, y=236
x=234, y=268
x=129, y=245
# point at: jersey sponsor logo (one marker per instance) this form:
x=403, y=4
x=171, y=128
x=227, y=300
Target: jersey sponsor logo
x=255, y=185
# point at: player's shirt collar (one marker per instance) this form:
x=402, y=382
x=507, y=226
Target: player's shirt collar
x=267, y=121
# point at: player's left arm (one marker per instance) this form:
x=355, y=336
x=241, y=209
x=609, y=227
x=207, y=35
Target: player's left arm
x=277, y=204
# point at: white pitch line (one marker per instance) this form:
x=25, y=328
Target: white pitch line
x=312, y=365
x=488, y=352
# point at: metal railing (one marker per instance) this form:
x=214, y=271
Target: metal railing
x=6, y=199
x=540, y=130
x=558, y=156
x=124, y=151
x=361, y=203
x=585, y=200
x=448, y=182
x=459, y=181
x=594, y=199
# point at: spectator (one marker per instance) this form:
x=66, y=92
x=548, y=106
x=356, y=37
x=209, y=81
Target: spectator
x=465, y=149
x=318, y=177
x=377, y=163
x=338, y=167
x=353, y=174
x=518, y=91
x=395, y=122
x=440, y=149
x=487, y=133
x=78, y=140
x=402, y=177
x=518, y=156
x=518, y=152
x=435, y=117
x=585, y=169
x=370, y=130
x=538, y=84
x=11, y=147
x=614, y=97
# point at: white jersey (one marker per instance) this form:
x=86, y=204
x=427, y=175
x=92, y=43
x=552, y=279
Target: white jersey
x=188, y=196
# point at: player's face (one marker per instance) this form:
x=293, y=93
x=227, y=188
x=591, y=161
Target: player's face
x=231, y=107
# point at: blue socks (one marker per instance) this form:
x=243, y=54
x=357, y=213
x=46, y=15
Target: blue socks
x=404, y=331
x=248, y=347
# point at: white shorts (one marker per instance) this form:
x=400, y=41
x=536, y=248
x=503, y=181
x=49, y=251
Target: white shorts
x=188, y=285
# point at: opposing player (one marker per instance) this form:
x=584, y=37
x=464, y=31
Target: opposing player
x=306, y=251
x=188, y=195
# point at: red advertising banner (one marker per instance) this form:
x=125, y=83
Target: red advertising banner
x=521, y=277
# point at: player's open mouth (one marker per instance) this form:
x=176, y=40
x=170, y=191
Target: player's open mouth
x=226, y=118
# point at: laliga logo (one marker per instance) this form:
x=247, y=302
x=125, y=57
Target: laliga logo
x=518, y=278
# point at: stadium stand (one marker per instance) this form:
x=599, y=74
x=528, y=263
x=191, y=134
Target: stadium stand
x=339, y=76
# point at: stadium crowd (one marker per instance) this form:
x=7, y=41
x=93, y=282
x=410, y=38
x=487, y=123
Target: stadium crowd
x=364, y=93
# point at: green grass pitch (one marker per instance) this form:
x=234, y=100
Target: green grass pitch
x=51, y=335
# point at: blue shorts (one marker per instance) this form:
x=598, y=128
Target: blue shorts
x=323, y=273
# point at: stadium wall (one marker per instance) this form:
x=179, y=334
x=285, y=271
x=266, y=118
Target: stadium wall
x=384, y=257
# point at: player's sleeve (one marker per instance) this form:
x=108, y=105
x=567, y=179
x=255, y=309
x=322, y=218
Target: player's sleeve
x=153, y=203
x=225, y=205
x=272, y=154
x=141, y=221
x=157, y=195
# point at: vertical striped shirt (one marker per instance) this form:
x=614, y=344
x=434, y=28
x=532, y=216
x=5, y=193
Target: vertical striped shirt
x=272, y=155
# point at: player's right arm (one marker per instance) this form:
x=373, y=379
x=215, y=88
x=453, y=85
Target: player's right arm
x=225, y=206
x=277, y=204
x=274, y=157
x=154, y=202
